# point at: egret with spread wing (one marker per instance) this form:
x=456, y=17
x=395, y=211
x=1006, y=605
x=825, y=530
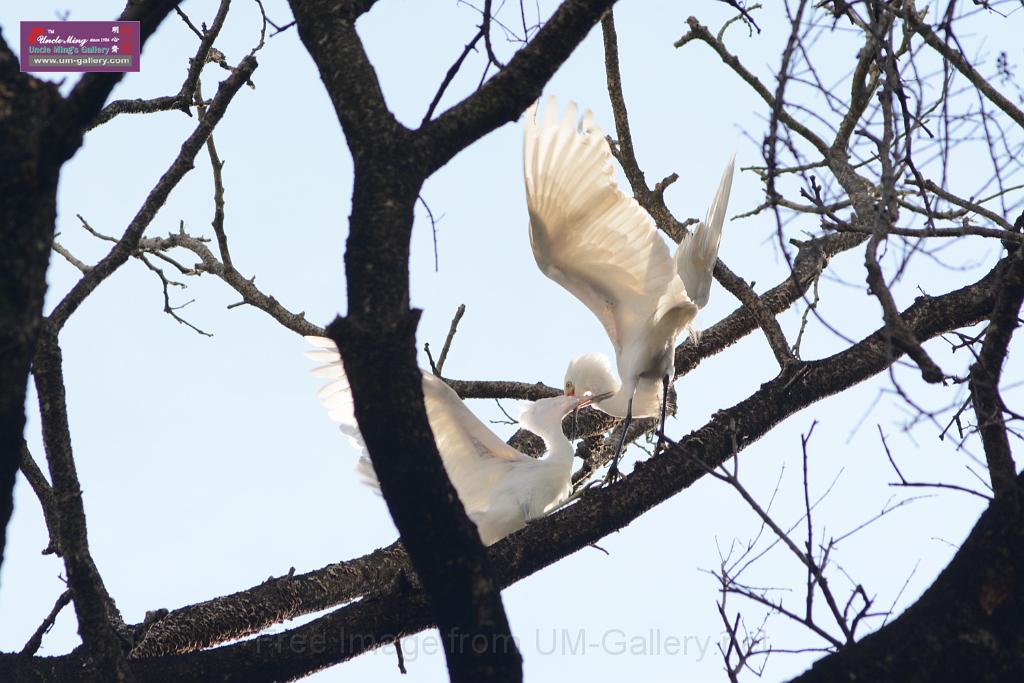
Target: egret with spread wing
x=602, y=246
x=501, y=488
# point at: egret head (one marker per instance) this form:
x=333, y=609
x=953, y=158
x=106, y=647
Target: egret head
x=590, y=375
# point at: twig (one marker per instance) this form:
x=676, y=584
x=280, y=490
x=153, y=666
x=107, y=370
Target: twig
x=509, y=420
x=450, y=75
x=168, y=308
x=913, y=20
x=70, y=258
x=401, y=656
x=448, y=340
x=44, y=493
x=32, y=646
x=217, y=167
x=744, y=14
x=430, y=359
x=251, y=294
x=807, y=560
x=485, y=27
x=899, y=333
x=804, y=318
x=914, y=484
x=433, y=229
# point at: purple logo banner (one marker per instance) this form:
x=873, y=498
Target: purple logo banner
x=79, y=46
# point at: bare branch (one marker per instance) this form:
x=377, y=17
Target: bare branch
x=984, y=382
x=44, y=493
x=769, y=325
x=179, y=167
x=448, y=340
x=32, y=646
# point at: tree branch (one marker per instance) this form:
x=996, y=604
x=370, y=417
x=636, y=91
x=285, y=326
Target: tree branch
x=181, y=165
x=97, y=614
x=767, y=322
x=328, y=30
x=184, y=97
x=984, y=381
x=913, y=19
x=44, y=492
x=92, y=89
x=250, y=611
x=811, y=259
x=503, y=98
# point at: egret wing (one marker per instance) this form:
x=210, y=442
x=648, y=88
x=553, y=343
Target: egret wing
x=474, y=457
x=698, y=250
x=336, y=397
x=586, y=234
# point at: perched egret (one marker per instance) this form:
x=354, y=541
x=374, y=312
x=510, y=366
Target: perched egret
x=501, y=488
x=602, y=246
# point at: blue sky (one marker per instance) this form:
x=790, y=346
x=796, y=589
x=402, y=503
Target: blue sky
x=207, y=464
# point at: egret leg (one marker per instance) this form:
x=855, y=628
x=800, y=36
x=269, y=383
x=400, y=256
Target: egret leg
x=613, y=471
x=664, y=407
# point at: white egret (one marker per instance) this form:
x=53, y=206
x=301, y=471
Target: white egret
x=602, y=246
x=501, y=488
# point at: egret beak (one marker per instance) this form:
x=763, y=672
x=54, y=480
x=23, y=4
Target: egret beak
x=588, y=400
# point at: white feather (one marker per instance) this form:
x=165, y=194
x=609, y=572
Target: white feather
x=603, y=247
x=698, y=250
x=500, y=487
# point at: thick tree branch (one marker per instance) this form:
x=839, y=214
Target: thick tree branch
x=328, y=30
x=984, y=381
x=250, y=611
x=376, y=338
x=97, y=614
